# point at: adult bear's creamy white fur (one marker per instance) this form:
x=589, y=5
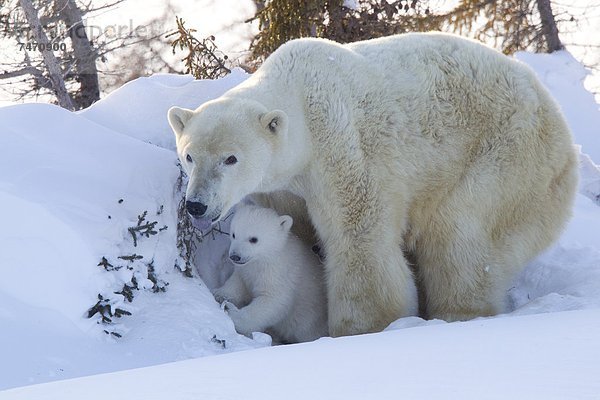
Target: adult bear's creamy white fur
x=424, y=143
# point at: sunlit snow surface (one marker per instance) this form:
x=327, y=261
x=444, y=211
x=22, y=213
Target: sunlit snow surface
x=63, y=174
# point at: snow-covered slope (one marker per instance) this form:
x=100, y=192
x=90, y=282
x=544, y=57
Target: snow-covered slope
x=69, y=190
x=139, y=107
x=71, y=186
x=550, y=356
x=563, y=75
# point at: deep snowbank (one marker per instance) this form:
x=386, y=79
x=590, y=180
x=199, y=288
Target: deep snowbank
x=62, y=175
x=70, y=189
x=550, y=356
x=563, y=75
x=139, y=108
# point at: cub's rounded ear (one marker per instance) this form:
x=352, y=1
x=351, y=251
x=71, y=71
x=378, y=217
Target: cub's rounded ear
x=178, y=117
x=248, y=201
x=286, y=222
x=275, y=121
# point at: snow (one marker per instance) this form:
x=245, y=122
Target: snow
x=71, y=184
x=74, y=284
x=546, y=356
x=563, y=76
x=69, y=189
x=144, y=118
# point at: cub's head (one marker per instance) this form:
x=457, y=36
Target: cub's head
x=225, y=147
x=257, y=233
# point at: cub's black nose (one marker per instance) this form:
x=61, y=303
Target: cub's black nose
x=195, y=208
x=235, y=258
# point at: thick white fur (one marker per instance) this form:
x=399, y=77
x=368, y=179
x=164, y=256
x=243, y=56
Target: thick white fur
x=280, y=287
x=287, y=203
x=424, y=143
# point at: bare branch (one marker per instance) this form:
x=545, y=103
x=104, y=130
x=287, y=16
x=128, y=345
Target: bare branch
x=103, y=7
x=83, y=53
x=549, y=26
x=23, y=71
x=52, y=64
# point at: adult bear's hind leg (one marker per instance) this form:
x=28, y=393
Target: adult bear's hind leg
x=458, y=277
x=369, y=285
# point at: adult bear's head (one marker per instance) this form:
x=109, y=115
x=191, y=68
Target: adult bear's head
x=226, y=147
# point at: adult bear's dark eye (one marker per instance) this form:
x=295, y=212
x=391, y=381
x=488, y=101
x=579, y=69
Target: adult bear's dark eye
x=230, y=160
x=253, y=240
x=188, y=158
x=233, y=235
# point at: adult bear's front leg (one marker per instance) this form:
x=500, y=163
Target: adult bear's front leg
x=357, y=208
x=369, y=284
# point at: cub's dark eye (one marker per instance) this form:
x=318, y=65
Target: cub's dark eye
x=188, y=158
x=253, y=240
x=233, y=235
x=230, y=160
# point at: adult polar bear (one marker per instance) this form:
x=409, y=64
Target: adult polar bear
x=424, y=143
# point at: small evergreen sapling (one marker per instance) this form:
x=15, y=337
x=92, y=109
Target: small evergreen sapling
x=128, y=267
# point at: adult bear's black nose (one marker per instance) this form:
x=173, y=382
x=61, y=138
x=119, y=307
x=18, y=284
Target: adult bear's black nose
x=235, y=258
x=195, y=208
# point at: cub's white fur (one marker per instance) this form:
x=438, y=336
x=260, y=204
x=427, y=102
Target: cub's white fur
x=277, y=284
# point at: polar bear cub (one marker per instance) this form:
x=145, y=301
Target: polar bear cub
x=277, y=284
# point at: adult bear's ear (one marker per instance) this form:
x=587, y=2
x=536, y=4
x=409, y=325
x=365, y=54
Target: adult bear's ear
x=178, y=117
x=286, y=222
x=275, y=121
